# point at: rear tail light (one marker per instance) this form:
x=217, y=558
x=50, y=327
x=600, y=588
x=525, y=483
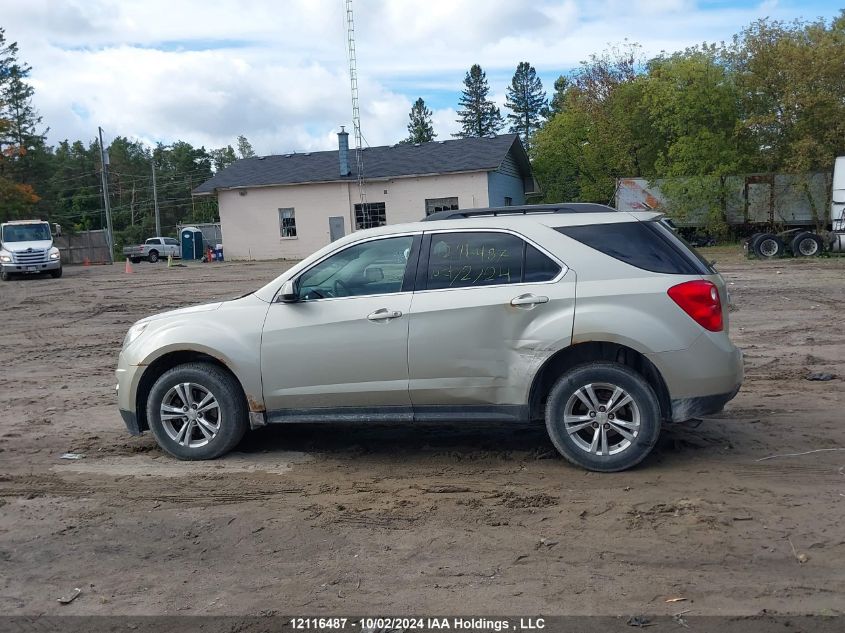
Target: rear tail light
x=700, y=300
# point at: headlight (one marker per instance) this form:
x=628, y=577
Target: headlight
x=54, y=254
x=134, y=332
x=5, y=259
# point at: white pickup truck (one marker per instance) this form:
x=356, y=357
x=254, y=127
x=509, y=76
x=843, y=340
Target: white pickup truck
x=153, y=249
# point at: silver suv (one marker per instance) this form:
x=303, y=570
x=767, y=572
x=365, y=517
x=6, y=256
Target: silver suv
x=602, y=323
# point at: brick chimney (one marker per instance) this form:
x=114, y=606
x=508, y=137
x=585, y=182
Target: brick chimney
x=343, y=151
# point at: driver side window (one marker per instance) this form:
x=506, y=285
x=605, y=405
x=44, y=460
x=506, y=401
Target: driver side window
x=371, y=268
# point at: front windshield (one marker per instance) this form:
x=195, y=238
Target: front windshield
x=26, y=232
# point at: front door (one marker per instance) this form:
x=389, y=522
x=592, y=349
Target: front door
x=487, y=307
x=345, y=342
x=336, y=230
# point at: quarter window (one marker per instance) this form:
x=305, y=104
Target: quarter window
x=374, y=267
x=370, y=215
x=287, y=223
x=646, y=245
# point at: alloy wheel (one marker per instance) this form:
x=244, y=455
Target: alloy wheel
x=602, y=419
x=190, y=415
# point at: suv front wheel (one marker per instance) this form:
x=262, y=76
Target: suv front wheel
x=603, y=416
x=197, y=411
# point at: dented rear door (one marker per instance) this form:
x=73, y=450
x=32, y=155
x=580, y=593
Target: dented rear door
x=488, y=308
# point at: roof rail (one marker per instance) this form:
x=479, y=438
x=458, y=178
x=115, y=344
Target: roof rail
x=529, y=209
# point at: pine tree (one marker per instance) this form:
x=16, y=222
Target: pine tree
x=479, y=116
x=245, y=147
x=420, y=128
x=527, y=101
x=559, y=97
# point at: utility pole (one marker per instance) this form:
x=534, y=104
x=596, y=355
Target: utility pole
x=104, y=162
x=155, y=200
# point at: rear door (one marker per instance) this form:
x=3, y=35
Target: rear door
x=488, y=306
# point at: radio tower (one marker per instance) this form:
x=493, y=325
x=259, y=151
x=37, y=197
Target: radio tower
x=356, y=112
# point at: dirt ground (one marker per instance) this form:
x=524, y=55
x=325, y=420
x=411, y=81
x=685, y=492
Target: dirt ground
x=437, y=520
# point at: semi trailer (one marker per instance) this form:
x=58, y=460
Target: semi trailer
x=802, y=215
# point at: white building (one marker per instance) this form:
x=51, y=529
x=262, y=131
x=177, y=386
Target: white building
x=288, y=206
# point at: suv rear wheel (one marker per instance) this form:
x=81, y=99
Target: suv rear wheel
x=197, y=411
x=603, y=416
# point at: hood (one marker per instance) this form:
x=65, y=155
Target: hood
x=206, y=307
x=18, y=247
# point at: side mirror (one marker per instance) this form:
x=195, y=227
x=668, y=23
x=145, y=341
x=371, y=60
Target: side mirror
x=288, y=293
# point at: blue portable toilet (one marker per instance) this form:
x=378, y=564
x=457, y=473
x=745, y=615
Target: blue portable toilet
x=192, y=246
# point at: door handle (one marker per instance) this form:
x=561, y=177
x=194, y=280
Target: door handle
x=528, y=300
x=383, y=314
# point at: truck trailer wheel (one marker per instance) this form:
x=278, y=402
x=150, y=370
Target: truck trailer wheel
x=768, y=246
x=807, y=244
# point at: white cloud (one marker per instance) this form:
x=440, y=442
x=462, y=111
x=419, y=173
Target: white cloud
x=207, y=71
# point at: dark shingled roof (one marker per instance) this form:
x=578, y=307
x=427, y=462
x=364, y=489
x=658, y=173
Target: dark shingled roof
x=436, y=157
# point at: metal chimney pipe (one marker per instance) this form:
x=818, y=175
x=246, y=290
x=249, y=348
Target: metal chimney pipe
x=343, y=151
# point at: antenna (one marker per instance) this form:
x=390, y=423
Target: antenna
x=356, y=112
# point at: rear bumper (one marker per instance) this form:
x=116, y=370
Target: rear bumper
x=40, y=267
x=685, y=409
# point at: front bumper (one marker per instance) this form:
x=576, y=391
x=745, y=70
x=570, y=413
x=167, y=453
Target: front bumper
x=131, y=422
x=128, y=377
x=40, y=267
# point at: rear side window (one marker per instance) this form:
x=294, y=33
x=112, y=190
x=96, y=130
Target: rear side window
x=646, y=245
x=468, y=259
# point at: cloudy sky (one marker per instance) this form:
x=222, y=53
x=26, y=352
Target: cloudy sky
x=205, y=71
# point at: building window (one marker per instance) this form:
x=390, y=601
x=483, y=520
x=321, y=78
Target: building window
x=287, y=223
x=508, y=201
x=433, y=205
x=370, y=215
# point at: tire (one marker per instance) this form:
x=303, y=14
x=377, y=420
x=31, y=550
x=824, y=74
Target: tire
x=584, y=447
x=152, y=256
x=768, y=246
x=807, y=244
x=752, y=243
x=5, y=276
x=55, y=274
x=135, y=260
x=210, y=435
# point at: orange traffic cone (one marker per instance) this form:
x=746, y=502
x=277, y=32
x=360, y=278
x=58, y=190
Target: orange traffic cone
x=128, y=267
